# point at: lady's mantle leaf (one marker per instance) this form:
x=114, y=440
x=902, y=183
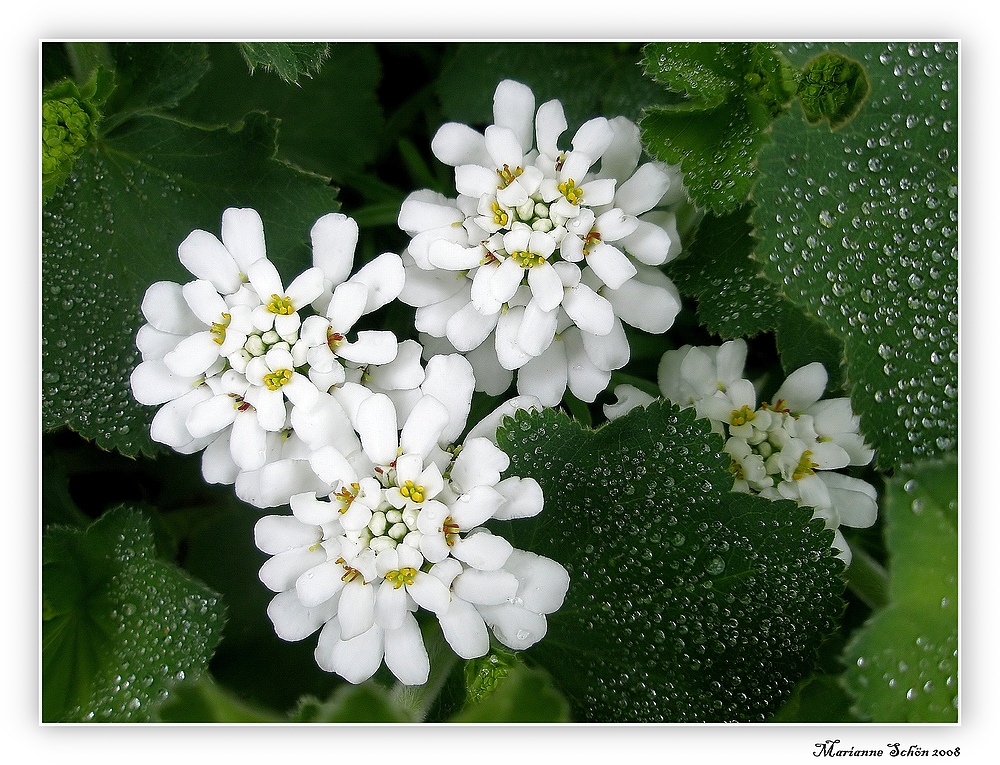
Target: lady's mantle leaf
x=113, y=229
x=859, y=227
x=735, y=90
x=119, y=625
x=289, y=60
x=687, y=602
x=903, y=665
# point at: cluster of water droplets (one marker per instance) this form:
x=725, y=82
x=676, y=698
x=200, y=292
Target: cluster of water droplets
x=675, y=581
x=864, y=235
x=90, y=309
x=165, y=625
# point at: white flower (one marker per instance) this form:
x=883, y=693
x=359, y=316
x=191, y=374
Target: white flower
x=225, y=264
x=541, y=239
x=400, y=530
x=785, y=450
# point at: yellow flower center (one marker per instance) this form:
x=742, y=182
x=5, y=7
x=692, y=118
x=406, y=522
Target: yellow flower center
x=278, y=378
x=527, y=259
x=350, y=573
x=219, y=328
x=347, y=496
x=507, y=175
x=239, y=403
x=451, y=530
x=401, y=576
x=281, y=305
x=334, y=339
x=412, y=491
x=805, y=467
x=568, y=189
x=741, y=416
x=500, y=216
x=737, y=470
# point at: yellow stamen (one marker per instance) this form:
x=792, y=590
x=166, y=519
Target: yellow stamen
x=413, y=492
x=347, y=496
x=805, y=467
x=507, y=175
x=451, y=530
x=500, y=216
x=569, y=190
x=401, y=576
x=350, y=573
x=281, y=305
x=278, y=378
x=527, y=259
x=219, y=328
x=741, y=416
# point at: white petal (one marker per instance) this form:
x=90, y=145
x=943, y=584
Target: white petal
x=484, y=551
x=293, y=621
x=649, y=302
x=275, y=534
x=593, y=137
x=803, y=387
x=539, y=326
x=588, y=310
x=193, y=355
x=384, y=277
x=166, y=309
x=390, y=605
x=514, y=108
x=610, y=264
x=280, y=572
x=334, y=238
x=509, y=353
x=550, y=124
x=405, y=654
x=402, y=373
x=479, y=463
x=586, y=379
x=456, y=144
x=488, y=588
x=610, y=351
x=356, y=659
x=357, y=609
x=465, y=630
x=211, y=416
x=644, y=189
x=522, y=498
x=217, y=465
x=506, y=279
x=467, y=328
x=451, y=380
x=475, y=180
x=243, y=235
x=153, y=383
x=545, y=376
x=376, y=424
x=652, y=244
x=515, y=626
x=429, y=593
x=424, y=426
x=543, y=583
x=371, y=347
x=546, y=286
x=320, y=583
x=265, y=279
x=206, y=257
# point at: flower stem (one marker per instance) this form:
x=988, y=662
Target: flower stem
x=868, y=579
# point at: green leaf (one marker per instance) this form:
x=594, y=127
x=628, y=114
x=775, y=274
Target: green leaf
x=205, y=701
x=859, y=228
x=365, y=703
x=525, y=695
x=734, y=92
x=330, y=124
x=687, y=602
x=902, y=666
x=113, y=229
x=289, y=60
x=153, y=77
x=734, y=300
x=119, y=625
x=802, y=339
x=818, y=699
x=590, y=79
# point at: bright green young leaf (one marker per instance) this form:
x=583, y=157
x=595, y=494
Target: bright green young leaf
x=119, y=625
x=289, y=60
x=734, y=92
x=113, y=229
x=734, y=300
x=903, y=664
x=330, y=123
x=687, y=601
x=525, y=695
x=590, y=79
x=832, y=87
x=859, y=227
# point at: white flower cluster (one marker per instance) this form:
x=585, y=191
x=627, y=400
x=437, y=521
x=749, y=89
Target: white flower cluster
x=350, y=429
x=242, y=371
x=545, y=251
x=786, y=449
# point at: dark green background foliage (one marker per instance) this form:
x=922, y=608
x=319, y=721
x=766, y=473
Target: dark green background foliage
x=821, y=225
